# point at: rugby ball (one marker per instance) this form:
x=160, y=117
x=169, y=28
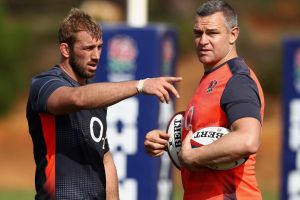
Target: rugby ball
x=174, y=130
x=207, y=136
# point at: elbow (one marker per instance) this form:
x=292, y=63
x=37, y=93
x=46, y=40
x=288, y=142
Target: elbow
x=251, y=147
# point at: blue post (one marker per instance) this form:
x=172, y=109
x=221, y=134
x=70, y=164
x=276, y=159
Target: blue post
x=137, y=53
x=290, y=180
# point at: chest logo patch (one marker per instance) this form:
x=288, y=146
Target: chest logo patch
x=211, y=86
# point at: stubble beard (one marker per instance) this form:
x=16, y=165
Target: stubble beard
x=78, y=69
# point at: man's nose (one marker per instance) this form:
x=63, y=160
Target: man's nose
x=96, y=54
x=203, y=40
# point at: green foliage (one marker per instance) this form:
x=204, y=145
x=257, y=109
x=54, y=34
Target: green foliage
x=264, y=59
x=13, y=40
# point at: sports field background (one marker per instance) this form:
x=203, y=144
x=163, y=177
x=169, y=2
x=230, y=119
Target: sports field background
x=33, y=48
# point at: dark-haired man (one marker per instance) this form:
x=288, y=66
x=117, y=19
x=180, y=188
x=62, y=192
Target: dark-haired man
x=228, y=95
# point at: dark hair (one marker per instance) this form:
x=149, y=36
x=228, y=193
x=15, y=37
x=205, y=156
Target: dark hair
x=212, y=6
x=76, y=21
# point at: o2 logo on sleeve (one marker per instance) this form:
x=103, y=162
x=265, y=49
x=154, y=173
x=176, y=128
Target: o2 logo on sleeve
x=92, y=123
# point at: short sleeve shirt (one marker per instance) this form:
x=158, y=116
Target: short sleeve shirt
x=68, y=149
x=225, y=94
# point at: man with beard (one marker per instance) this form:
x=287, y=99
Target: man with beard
x=67, y=116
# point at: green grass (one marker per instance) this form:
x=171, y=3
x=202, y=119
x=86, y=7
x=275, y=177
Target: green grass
x=267, y=195
x=16, y=195
x=178, y=194
x=270, y=195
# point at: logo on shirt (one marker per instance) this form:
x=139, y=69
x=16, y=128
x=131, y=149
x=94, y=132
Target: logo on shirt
x=211, y=86
x=99, y=123
x=189, y=118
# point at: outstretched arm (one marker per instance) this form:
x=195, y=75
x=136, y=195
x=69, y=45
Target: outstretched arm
x=112, y=189
x=69, y=99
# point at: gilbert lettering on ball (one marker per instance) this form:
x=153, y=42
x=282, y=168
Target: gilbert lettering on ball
x=174, y=129
x=208, y=135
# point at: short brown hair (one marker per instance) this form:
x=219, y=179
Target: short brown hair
x=76, y=21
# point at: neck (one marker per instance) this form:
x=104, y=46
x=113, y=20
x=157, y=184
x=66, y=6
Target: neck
x=231, y=54
x=65, y=66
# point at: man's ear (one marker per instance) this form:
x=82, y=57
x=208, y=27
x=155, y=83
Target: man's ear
x=234, y=33
x=64, y=50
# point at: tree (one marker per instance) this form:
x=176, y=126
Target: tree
x=12, y=71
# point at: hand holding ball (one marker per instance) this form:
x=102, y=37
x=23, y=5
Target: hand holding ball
x=200, y=138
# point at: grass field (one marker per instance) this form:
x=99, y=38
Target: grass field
x=29, y=195
x=16, y=195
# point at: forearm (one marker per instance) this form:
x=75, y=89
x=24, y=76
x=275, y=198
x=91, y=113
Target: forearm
x=70, y=99
x=229, y=148
x=112, y=190
x=98, y=95
x=104, y=94
x=242, y=141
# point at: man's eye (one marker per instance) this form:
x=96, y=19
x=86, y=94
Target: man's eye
x=89, y=48
x=198, y=34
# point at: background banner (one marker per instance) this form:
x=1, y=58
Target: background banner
x=131, y=53
x=290, y=188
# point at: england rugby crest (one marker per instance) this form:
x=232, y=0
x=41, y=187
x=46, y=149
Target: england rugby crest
x=122, y=55
x=211, y=86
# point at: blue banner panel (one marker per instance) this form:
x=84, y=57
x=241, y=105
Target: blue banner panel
x=290, y=181
x=131, y=54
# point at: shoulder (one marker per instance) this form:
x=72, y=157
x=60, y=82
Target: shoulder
x=242, y=80
x=54, y=72
x=238, y=66
x=53, y=75
x=241, y=96
x=47, y=81
x=43, y=85
x=241, y=87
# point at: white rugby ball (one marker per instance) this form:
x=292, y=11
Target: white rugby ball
x=208, y=135
x=174, y=130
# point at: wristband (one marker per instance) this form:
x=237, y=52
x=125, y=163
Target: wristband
x=140, y=85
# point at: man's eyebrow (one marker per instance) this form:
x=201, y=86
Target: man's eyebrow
x=206, y=30
x=197, y=30
x=92, y=44
x=212, y=29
